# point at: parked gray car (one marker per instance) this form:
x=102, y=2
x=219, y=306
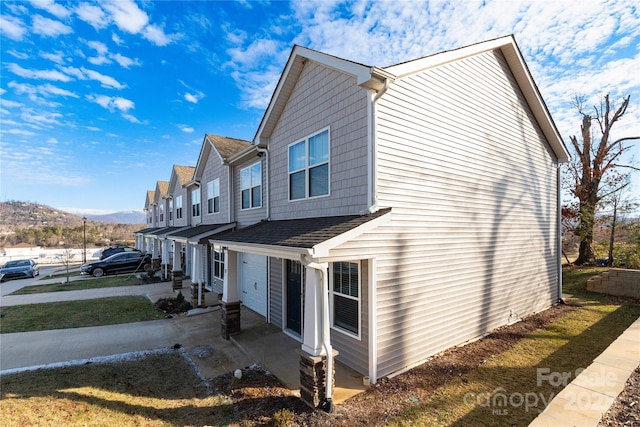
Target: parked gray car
x=19, y=269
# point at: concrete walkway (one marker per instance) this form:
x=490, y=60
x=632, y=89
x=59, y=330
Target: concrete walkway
x=199, y=334
x=585, y=400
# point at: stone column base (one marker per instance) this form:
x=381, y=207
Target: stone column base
x=229, y=319
x=312, y=378
x=194, y=295
x=177, y=279
x=155, y=263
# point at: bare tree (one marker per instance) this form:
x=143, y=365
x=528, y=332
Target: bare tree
x=594, y=171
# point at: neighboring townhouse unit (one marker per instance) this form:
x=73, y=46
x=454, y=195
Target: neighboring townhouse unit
x=211, y=210
x=383, y=215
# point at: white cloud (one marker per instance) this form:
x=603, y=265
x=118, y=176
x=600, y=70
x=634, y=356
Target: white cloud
x=92, y=15
x=53, y=75
x=116, y=103
x=12, y=27
x=191, y=98
x=19, y=132
x=106, y=81
x=156, y=35
x=57, y=57
x=186, y=129
x=52, y=7
x=48, y=27
x=126, y=15
x=44, y=90
x=19, y=55
x=124, y=61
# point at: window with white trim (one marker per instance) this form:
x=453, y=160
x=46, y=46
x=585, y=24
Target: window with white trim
x=161, y=212
x=345, y=289
x=195, y=202
x=218, y=262
x=309, y=167
x=251, y=186
x=213, y=196
x=179, y=207
x=170, y=209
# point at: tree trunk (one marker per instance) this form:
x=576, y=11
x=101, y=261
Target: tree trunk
x=585, y=230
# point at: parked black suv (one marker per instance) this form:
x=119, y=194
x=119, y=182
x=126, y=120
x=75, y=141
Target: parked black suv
x=112, y=250
x=123, y=262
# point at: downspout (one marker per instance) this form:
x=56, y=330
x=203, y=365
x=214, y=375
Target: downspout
x=559, y=186
x=326, y=332
x=371, y=148
x=265, y=152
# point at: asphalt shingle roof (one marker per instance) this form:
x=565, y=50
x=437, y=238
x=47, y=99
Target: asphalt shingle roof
x=226, y=146
x=298, y=233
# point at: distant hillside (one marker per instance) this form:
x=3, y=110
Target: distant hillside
x=124, y=217
x=16, y=214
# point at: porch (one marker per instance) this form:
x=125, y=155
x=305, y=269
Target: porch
x=276, y=352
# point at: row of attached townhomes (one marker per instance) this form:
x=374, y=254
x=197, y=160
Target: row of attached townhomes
x=379, y=215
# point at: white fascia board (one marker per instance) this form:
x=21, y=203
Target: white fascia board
x=266, y=250
x=205, y=149
x=321, y=250
x=417, y=65
x=519, y=69
x=241, y=155
x=196, y=239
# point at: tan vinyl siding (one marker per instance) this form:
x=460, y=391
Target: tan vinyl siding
x=276, y=288
x=354, y=352
x=214, y=169
x=472, y=183
x=323, y=98
x=246, y=217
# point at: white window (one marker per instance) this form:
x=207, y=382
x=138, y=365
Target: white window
x=218, y=262
x=161, y=213
x=251, y=186
x=213, y=196
x=179, y=207
x=309, y=167
x=170, y=209
x=345, y=289
x=195, y=203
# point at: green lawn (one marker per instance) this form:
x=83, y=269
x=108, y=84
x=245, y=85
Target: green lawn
x=86, y=283
x=77, y=314
x=568, y=344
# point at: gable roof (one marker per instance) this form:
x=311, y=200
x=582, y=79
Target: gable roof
x=511, y=52
x=366, y=76
x=180, y=175
x=224, y=146
x=376, y=79
x=162, y=188
x=149, y=200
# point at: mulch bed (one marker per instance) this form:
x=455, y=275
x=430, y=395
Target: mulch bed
x=258, y=396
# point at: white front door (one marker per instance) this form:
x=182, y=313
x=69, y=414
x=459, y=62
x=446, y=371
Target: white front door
x=253, y=282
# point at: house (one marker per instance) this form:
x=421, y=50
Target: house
x=384, y=214
x=211, y=209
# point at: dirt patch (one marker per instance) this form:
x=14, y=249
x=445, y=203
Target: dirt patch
x=258, y=395
x=173, y=306
x=625, y=411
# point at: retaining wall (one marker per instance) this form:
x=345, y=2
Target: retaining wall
x=616, y=281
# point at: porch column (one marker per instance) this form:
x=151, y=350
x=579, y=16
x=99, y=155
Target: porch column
x=230, y=303
x=313, y=354
x=177, y=266
x=196, y=276
x=164, y=246
x=155, y=256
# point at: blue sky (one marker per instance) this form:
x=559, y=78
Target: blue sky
x=100, y=99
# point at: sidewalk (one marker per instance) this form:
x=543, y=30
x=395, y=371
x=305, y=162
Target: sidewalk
x=153, y=291
x=584, y=401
